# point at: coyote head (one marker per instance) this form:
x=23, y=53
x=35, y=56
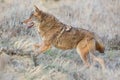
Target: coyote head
x=34, y=18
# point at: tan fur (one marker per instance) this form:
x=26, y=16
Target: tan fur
x=62, y=36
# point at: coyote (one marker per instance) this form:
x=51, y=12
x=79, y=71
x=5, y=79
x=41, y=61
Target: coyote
x=55, y=33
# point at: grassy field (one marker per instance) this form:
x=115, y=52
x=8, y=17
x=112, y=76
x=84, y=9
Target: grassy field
x=16, y=62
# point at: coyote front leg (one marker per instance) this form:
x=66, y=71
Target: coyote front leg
x=44, y=46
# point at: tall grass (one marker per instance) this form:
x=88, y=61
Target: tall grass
x=99, y=16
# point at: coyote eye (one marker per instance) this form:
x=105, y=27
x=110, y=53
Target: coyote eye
x=35, y=14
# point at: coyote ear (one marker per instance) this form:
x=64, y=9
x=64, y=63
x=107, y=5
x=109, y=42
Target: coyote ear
x=36, y=8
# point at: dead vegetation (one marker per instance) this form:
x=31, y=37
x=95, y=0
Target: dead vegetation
x=99, y=16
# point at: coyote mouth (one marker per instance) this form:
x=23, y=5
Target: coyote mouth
x=30, y=24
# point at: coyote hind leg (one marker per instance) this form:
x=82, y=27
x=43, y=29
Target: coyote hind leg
x=99, y=60
x=83, y=52
x=92, y=48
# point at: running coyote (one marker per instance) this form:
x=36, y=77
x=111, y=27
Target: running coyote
x=62, y=36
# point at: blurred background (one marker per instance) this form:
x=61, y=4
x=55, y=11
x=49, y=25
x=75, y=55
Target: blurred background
x=99, y=16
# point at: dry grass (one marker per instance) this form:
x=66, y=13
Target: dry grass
x=99, y=16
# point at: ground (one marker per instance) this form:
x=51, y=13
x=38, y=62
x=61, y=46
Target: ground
x=16, y=62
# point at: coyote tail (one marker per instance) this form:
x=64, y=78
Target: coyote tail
x=99, y=45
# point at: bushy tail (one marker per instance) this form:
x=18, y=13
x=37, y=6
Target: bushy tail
x=99, y=45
